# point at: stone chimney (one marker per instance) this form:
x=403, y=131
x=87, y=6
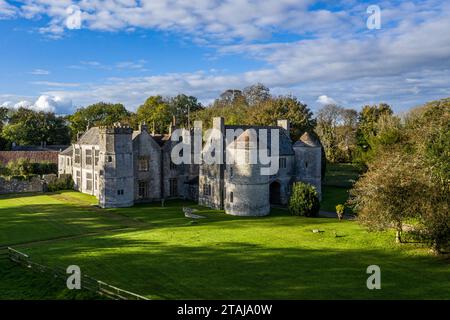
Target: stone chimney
x=285, y=125
x=173, y=125
x=143, y=127
x=219, y=124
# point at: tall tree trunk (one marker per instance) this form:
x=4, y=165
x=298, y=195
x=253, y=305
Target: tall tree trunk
x=398, y=236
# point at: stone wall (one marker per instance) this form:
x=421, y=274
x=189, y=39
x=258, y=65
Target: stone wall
x=33, y=156
x=144, y=147
x=34, y=184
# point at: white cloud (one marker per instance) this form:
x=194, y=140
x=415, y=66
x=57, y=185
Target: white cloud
x=56, y=84
x=73, y=20
x=51, y=104
x=40, y=72
x=337, y=55
x=7, y=104
x=7, y=11
x=46, y=103
x=23, y=104
x=242, y=19
x=324, y=100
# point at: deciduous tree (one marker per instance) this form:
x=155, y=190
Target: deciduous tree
x=98, y=114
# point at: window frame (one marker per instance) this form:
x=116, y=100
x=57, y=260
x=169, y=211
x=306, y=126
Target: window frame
x=143, y=160
x=282, y=163
x=88, y=157
x=77, y=155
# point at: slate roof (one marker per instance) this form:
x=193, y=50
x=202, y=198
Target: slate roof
x=67, y=152
x=307, y=140
x=161, y=139
x=90, y=137
x=285, y=142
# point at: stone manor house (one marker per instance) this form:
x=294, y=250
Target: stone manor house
x=122, y=167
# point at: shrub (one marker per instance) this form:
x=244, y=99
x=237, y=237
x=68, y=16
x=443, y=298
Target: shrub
x=18, y=178
x=46, y=168
x=24, y=167
x=304, y=200
x=20, y=167
x=62, y=183
x=340, y=209
x=4, y=171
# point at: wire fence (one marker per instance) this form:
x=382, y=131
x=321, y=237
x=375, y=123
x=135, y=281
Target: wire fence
x=87, y=282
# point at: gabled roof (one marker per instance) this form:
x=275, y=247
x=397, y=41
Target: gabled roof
x=307, y=140
x=67, y=152
x=90, y=137
x=161, y=139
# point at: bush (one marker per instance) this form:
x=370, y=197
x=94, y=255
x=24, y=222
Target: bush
x=340, y=209
x=23, y=167
x=18, y=178
x=62, y=183
x=304, y=200
x=4, y=171
x=45, y=168
x=20, y=167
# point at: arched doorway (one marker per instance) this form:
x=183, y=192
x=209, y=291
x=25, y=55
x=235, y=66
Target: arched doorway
x=275, y=190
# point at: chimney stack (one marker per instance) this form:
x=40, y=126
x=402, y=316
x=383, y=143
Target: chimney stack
x=143, y=127
x=285, y=125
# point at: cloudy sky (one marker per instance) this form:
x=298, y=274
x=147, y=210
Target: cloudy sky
x=61, y=54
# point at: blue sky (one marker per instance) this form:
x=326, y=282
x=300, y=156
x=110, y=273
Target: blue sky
x=61, y=54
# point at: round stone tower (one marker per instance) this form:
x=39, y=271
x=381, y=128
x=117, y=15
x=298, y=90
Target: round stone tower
x=246, y=190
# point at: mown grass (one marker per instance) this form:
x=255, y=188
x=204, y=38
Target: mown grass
x=341, y=175
x=332, y=196
x=339, y=179
x=168, y=256
x=21, y=284
x=32, y=217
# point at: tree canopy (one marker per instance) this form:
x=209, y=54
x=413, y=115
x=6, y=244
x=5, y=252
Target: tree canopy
x=28, y=127
x=408, y=175
x=182, y=107
x=336, y=128
x=98, y=114
x=156, y=112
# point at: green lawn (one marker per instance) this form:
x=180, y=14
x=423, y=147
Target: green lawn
x=20, y=284
x=31, y=217
x=332, y=196
x=166, y=256
x=339, y=179
x=341, y=175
